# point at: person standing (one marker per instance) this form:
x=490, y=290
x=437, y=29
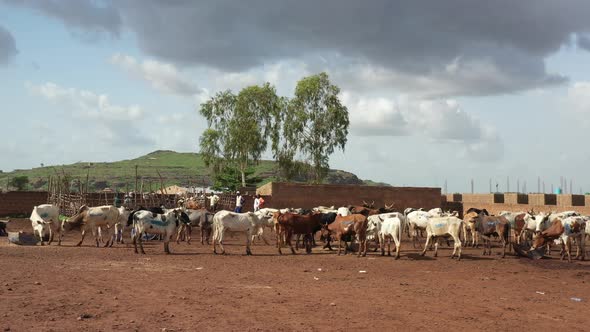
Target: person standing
x=213, y=199
x=239, y=202
x=257, y=203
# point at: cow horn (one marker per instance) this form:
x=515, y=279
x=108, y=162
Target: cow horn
x=365, y=203
x=372, y=203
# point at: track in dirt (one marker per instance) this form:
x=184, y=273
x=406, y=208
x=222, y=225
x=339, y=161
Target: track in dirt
x=52, y=288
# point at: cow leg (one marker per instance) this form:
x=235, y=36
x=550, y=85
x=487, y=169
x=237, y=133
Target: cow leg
x=398, y=242
x=309, y=243
x=140, y=239
x=50, y=235
x=109, y=237
x=202, y=235
x=248, y=242
x=288, y=238
x=220, y=241
x=339, y=245
x=280, y=240
x=82, y=240
x=134, y=239
x=180, y=229
x=426, y=244
x=436, y=247
x=388, y=246
x=382, y=244
x=214, y=238
x=568, y=249
x=297, y=241
x=457, y=245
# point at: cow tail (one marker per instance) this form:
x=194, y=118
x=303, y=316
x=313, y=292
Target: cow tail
x=215, y=227
x=130, y=218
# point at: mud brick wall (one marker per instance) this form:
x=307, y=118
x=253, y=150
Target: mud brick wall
x=308, y=196
x=20, y=202
x=522, y=202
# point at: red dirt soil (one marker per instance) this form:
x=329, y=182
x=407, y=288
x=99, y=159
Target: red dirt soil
x=68, y=288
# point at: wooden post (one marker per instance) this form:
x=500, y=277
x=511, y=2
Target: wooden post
x=135, y=190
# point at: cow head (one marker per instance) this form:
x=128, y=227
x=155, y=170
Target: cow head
x=541, y=221
x=538, y=241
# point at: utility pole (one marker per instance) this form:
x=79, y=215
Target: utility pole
x=472, y=186
x=490, y=185
x=571, y=187
x=543, y=187
x=507, y=184
x=446, y=192
x=518, y=186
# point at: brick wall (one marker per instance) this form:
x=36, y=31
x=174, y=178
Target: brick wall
x=308, y=196
x=494, y=203
x=20, y=202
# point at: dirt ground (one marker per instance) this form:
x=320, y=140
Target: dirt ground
x=110, y=289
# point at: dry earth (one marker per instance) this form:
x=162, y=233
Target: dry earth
x=108, y=289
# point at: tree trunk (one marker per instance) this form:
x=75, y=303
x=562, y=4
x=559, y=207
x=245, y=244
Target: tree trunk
x=242, y=170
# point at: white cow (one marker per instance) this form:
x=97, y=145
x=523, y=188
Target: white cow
x=121, y=223
x=92, y=218
x=325, y=209
x=225, y=221
x=443, y=227
x=343, y=211
x=417, y=221
x=391, y=228
x=45, y=221
x=374, y=223
x=570, y=234
x=154, y=223
x=436, y=212
x=562, y=215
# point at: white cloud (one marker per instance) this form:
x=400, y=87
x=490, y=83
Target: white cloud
x=163, y=77
x=109, y=122
x=442, y=121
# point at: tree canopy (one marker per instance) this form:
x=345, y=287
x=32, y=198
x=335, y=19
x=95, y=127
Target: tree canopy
x=19, y=182
x=240, y=127
x=315, y=125
x=302, y=132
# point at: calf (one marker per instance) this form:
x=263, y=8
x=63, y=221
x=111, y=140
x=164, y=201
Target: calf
x=565, y=230
x=201, y=218
x=352, y=225
x=289, y=224
x=437, y=227
x=469, y=226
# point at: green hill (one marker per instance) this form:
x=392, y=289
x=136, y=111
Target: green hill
x=175, y=168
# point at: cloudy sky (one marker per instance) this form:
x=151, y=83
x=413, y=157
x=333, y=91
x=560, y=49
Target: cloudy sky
x=437, y=90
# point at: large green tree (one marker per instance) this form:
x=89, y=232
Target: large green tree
x=240, y=127
x=315, y=124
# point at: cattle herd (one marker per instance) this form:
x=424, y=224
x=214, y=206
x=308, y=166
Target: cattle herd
x=352, y=226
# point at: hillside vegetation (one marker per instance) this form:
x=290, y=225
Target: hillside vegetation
x=174, y=167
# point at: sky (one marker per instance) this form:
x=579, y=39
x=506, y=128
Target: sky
x=437, y=91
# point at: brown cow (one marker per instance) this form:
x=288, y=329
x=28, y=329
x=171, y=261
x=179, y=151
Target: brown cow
x=565, y=230
x=288, y=224
x=351, y=225
x=486, y=226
